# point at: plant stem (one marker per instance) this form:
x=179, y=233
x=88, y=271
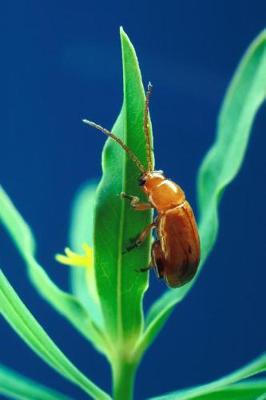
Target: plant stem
x=123, y=379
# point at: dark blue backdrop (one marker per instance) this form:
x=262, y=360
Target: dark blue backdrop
x=60, y=61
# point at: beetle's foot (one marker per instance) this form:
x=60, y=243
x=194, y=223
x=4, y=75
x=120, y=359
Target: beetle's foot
x=123, y=195
x=143, y=269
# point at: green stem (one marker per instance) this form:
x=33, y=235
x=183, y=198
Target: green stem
x=123, y=379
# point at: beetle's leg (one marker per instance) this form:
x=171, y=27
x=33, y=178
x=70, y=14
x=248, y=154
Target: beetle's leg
x=135, y=202
x=141, y=238
x=158, y=259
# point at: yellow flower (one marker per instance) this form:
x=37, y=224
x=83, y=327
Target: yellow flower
x=76, y=260
x=84, y=261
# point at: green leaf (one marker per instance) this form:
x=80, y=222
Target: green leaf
x=16, y=386
x=250, y=390
x=243, y=99
x=120, y=286
x=81, y=231
x=26, y=326
x=63, y=302
x=255, y=367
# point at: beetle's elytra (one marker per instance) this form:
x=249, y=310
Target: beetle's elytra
x=175, y=253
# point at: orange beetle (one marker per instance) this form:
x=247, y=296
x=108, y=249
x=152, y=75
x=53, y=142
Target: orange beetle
x=176, y=251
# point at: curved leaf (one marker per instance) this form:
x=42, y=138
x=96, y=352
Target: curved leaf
x=16, y=386
x=250, y=390
x=81, y=231
x=120, y=286
x=63, y=302
x=244, y=97
x=255, y=367
x=26, y=326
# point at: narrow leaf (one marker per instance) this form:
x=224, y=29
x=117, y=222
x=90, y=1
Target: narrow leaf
x=255, y=367
x=26, y=326
x=16, y=386
x=222, y=163
x=243, y=99
x=120, y=285
x=81, y=231
x=250, y=390
x=63, y=302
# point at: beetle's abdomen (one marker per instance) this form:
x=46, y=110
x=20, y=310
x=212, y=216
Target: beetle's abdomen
x=179, y=239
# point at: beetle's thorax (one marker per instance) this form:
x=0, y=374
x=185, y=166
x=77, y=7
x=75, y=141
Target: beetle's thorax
x=162, y=193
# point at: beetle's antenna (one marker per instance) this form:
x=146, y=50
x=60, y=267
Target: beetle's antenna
x=146, y=127
x=132, y=155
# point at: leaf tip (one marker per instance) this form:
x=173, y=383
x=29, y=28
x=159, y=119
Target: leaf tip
x=123, y=36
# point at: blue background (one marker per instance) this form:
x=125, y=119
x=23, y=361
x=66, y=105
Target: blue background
x=60, y=62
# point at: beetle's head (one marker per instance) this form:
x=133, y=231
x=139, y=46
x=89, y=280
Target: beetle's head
x=150, y=179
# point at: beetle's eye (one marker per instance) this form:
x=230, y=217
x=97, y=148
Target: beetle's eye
x=142, y=181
